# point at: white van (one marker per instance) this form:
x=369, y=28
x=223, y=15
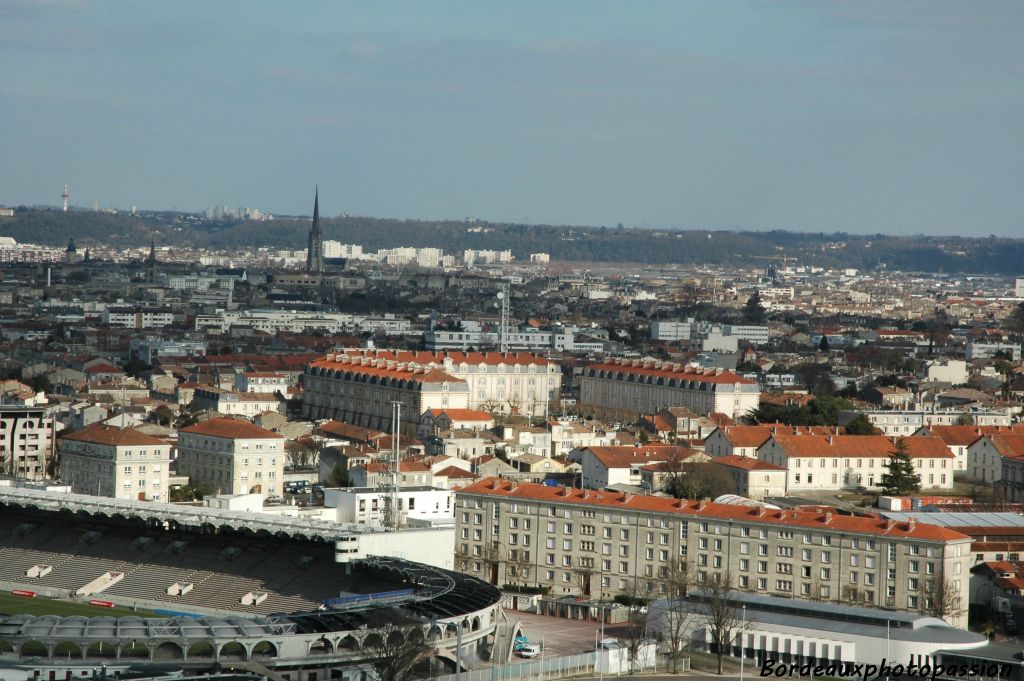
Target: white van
x=529, y=650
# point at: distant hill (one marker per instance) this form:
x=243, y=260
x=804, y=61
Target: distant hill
x=988, y=255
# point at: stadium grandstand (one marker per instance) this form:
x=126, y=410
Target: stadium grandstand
x=211, y=587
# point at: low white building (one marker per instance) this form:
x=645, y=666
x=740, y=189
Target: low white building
x=232, y=403
x=368, y=505
x=791, y=631
x=753, y=479
x=262, y=382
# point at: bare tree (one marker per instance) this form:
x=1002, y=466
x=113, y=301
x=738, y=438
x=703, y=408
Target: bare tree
x=302, y=452
x=393, y=650
x=584, y=572
x=676, y=581
x=462, y=560
x=696, y=480
x=942, y=599
x=722, y=617
x=519, y=566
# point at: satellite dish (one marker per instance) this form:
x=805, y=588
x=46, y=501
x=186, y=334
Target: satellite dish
x=501, y=295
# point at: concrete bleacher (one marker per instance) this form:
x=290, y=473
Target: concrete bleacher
x=152, y=561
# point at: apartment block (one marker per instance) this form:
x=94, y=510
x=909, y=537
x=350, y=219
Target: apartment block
x=25, y=442
x=358, y=386
x=115, y=462
x=592, y=543
x=233, y=456
x=645, y=386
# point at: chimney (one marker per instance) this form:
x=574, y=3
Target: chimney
x=911, y=524
x=828, y=517
x=829, y=438
x=626, y=496
x=889, y=524
x=702, y=504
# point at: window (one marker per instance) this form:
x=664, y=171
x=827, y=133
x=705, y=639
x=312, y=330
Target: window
x=744, y=548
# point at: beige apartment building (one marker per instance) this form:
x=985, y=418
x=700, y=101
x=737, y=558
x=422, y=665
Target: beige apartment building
x=122, y=463
x=594, y=543
x=358, y=386
x=646, y=386
x=233, y=456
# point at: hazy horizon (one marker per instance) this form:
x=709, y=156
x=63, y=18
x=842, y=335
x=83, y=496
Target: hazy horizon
x=868, y=117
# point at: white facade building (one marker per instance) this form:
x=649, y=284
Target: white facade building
x=367, y=505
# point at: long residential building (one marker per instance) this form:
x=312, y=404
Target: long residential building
x=645, y=386
x=357, y=386
x=836, y=462
x=595, y=543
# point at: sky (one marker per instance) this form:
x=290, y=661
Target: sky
x=892, y=116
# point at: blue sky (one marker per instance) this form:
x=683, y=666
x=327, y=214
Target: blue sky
x=890, y=116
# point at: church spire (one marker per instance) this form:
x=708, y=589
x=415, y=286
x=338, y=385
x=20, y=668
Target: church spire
x=315, y=247
x=151, y=262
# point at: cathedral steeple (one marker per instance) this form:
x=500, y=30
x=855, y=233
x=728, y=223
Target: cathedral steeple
x=315, y=248
x=151, y=262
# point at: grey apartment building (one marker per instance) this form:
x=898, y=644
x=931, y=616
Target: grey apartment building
x=594, y=543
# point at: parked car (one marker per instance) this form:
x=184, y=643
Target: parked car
x=529, y=650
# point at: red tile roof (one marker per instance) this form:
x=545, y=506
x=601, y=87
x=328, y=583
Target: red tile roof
x=918, y=447
x=498, y=487
x=660, y=370
x=625, y=456
x=962, y=436
x=1009, y=445
x=424, y=358
x=455, y=472
x=746, y=463
x=396, y=371
x=101, y=434
x=233, y=429
x=349, y=431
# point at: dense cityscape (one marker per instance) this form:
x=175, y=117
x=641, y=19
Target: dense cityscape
x=476, y=341
x=183, y=428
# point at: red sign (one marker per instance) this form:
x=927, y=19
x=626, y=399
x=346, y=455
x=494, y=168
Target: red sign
x=102, y=604
x=22, y=592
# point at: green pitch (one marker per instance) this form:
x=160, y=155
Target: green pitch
x=16, y=605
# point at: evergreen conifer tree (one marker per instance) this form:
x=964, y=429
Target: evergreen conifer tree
x=900, y=477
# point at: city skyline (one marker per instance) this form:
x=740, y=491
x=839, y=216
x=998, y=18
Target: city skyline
x=862, y=118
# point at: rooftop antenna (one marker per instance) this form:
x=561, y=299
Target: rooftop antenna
x=65, y=195
x=503, y=301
